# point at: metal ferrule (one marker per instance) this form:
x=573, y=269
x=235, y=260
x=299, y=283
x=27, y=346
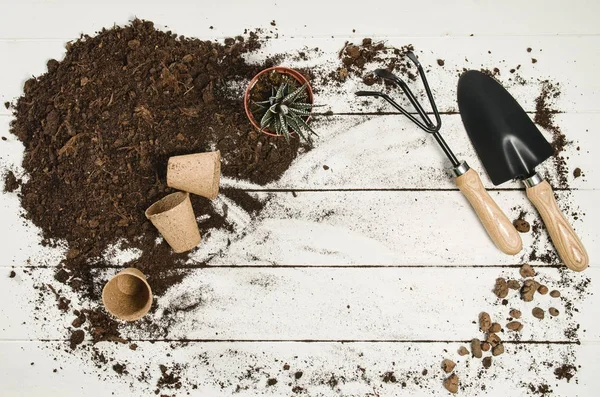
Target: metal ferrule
x=462, y=168
x=533, y=180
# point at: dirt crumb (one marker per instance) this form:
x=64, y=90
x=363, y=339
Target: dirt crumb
x=487, y=362
x=476, y=348
x=515, y=313
x=498, y=349
x=11, y=182
x=451, y=383
x=514, y=326
x=527, y=271
x=565, y=371
x=448, y=366
x=485, y=321
x=513, y=284
x=522, y=225
x=76, y=338
x=501, y=288
x=528, y=290
x=538, y=313
x=495, y=328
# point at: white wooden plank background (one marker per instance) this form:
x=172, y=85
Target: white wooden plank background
x=271, y=291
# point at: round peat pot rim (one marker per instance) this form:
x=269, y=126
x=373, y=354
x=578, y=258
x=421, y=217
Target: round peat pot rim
x=127, y=305
x=299, y=77
x=166, y=204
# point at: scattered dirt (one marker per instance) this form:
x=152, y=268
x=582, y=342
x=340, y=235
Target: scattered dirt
x=170, y=379
x=565, y=371
x=538, y=313
x=498, y=349
x=514, y=326
x=577, y=172
x=493, y=339
x=11, y=183
x=356, y=56
x=451, y=383
x=77, y=338
x=476, y=348
x=513, y=284
x=486, y=362
x=441, y=62
x=120, y=369
x=448, y=366
x=501, y=288
x=12, y=274
x=271, y=382
x=389, y=377
x=527, y=271
x=522, y=225
x=544, y=117
x=528, y=290
x=485, y=322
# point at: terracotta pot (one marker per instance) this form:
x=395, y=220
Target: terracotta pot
x=280, y=69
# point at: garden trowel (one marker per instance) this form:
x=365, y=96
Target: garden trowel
x=510, y=146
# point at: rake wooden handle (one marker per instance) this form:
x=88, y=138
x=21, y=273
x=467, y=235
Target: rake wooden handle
x=567, y=244
x=498, y=226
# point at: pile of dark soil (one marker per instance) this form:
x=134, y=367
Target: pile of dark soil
x=99, y=126
x=98, y=129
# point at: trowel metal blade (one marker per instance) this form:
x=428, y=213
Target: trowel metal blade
x=507, y=141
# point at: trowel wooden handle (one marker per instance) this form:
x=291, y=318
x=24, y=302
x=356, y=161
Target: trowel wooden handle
x=563, y=236
x=498, y=226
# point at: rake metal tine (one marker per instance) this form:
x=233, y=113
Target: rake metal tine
x=395, y=105
x=387, y=75
x=414, y=59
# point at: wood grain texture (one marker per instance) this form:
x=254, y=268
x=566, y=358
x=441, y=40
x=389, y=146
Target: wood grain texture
x=496, y=223
x=314, y=304
x=366, y=228
x=567, y=243
x=218, y=368
x=391, y=244
x=579, y=94
x=54, y=19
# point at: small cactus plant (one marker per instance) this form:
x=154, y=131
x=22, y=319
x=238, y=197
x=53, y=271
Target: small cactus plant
x=286, y=111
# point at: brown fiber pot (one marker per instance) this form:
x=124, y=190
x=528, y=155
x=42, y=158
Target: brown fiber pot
x=280, y=69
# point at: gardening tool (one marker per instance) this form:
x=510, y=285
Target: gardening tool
x=495, y=222
x=510, y=146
